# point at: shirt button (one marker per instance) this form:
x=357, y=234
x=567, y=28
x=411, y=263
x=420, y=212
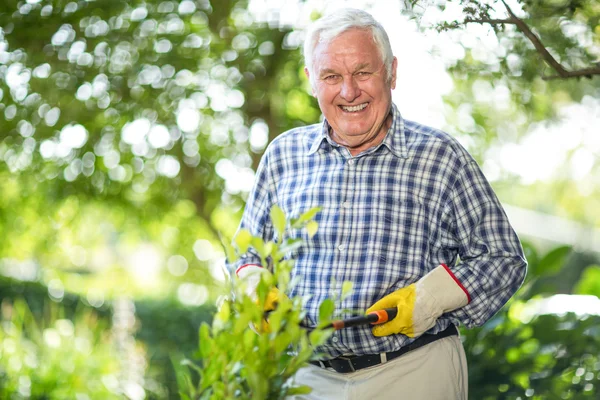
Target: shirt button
x=335, y=340
x=351, y=161
x=341, y=247
x=346, y=204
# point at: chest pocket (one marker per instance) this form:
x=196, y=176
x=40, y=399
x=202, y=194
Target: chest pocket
x=398, y=232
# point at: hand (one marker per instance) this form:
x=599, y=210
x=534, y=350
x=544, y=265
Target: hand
x=273, y=298
x=421, y=304
x=251, y=276
x=404, y=299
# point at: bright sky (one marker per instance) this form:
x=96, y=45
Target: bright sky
x=422, y=81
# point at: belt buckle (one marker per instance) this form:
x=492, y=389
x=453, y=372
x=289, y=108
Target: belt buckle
x=349, y=361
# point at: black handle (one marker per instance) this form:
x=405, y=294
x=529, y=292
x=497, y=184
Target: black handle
x=373, y=318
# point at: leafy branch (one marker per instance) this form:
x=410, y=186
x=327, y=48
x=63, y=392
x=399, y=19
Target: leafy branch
x=235, y=361
x=562, y=72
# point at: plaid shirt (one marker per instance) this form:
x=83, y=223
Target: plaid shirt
x=389, y=215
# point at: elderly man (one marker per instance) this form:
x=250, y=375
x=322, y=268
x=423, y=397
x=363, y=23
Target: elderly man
x=407, y=216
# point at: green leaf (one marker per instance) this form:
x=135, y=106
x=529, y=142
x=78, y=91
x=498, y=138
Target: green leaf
x=190, y=364
x=249, y=339
x=552, y=262
x=205, y=341
x=306, y=351
x=589, y=283
x=307, y=216
x=242, y=322
x=299, y=390
x=282, y=342
x=211, y=373
x=326, y=310
x=258, y=384
x=229, y=250
x=182, y=374
x=263, y=250
x=262, y=290
x=347, y=287
x=278, y=219
x=277, y=317
x=312, y=228
x=317, y=337
x=222, y=317
x=290, y=245
x=243, y=240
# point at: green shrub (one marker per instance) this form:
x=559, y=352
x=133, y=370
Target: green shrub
x=168, y=330
x=237, y=362
x=55, y=358
x=550, y=357
x=164, y=327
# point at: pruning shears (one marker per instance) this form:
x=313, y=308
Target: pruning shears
x=374, y=318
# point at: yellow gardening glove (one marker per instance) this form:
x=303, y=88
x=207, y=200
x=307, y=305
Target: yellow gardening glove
x=273, y=297
x=421, y=304
x=403, y=299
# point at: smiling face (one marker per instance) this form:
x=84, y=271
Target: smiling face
x=353, y=90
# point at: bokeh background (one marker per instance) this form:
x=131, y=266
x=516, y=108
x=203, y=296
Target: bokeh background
x=129, y=136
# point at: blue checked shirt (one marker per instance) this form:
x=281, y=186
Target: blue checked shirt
x=389, y=215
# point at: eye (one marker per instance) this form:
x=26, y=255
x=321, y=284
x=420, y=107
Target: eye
x=331, y=78
x=363, y=74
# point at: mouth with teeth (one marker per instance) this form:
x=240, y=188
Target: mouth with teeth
x=354, y=109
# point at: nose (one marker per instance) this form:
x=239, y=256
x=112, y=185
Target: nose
x=349, y=90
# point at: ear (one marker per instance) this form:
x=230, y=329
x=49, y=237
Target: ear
x=394, y=67
x=311, y=84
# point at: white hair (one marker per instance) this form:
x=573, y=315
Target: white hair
x=331, y=26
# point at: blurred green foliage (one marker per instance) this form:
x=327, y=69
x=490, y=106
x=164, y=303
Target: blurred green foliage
x=537, y=353
x=168, y=330
x=127, y=123
x=56, y=357
x=549, y=357
x=163, y=329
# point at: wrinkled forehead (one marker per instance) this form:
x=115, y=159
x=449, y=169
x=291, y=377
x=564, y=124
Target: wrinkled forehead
x=354, y=50
x=352, y=35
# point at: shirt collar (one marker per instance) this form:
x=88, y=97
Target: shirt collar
x=321, y=137
x=394, y=140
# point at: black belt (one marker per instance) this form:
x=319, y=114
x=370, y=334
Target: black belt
x=354, y=363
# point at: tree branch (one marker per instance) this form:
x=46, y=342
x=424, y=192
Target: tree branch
x=489, y=21
x=537, y=43
x=562, y=72
x=586, y=73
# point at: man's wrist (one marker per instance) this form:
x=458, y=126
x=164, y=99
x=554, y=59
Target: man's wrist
x=444, y=288
x=250, y=275
x=247, y=269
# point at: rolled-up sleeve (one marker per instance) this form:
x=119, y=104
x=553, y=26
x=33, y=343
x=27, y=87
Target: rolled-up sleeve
x=491, y=264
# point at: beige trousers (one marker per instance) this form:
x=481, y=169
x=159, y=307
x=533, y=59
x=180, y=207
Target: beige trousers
x=437, y=371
